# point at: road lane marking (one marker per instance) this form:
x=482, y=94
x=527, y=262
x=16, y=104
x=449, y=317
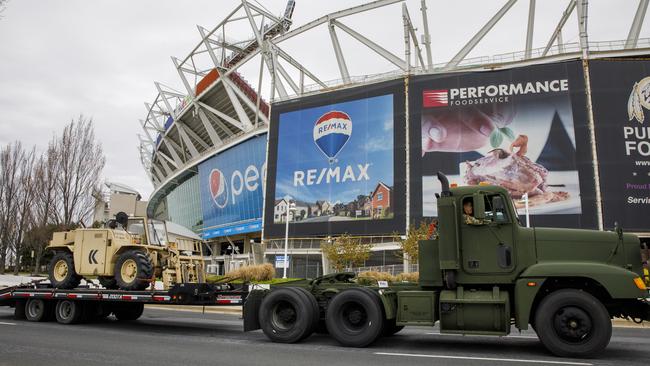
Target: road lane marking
x=483, y=358
x=484, y=336
x=4, y=323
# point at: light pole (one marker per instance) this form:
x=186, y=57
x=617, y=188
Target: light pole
x=290, y=207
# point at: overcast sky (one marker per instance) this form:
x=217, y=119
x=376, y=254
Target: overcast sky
x=62, y=58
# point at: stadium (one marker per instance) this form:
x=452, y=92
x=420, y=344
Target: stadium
x=255, y=134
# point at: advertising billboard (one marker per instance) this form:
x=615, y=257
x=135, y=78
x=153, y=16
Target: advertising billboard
x=524, y=129
x=339, y=159
x=620, y=93
x=232, y=186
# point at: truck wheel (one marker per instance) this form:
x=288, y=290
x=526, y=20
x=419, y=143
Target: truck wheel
x=391, y=327
x=133, y=270
x=315, y=318
x=128, y=312
x=355, y=317
x=109, y=283
x=68, y=312
x=573, y=323
x=286, y=315
x=19, y=310
x=38, y=310
x=61, y=272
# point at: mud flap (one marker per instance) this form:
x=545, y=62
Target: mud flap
x=251, y=310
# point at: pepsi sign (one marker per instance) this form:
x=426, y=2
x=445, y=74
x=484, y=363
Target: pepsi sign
x=231, y=185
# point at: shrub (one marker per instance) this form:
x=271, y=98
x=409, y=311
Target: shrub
x=371, y=277
x=408, y=277
x=261, y=272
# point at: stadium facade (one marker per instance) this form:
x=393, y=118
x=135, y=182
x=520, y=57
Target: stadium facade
x=561, y=127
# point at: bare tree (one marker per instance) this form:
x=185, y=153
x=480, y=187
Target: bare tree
x=11, y=158
x=81, y=161
x=3, y=6
x=24, y=208
x=46, y=171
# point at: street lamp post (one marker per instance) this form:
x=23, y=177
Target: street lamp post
x=290, y=207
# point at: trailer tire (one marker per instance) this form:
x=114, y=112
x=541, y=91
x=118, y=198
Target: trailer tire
x=109, y=283
x=38, y=310
x=61, y=272
x=128, y=311
x=286, y=315
x=573, y=323
x=133, y=270
x=69, y=312
x=355, y=317
x=19, y=310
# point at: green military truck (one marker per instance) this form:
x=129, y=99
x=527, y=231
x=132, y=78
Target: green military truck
x=478, y=276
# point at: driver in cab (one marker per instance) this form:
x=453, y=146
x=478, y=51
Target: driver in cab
x=468, y=214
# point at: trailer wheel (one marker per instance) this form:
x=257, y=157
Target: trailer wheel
x=61, y=271
x=128, y=311
x=391, y=327
x=573, y=323
x=38, y=310
x=109, y=283
x=355, y=317
x=133, y=270
x=69, y=312
x=19, y=310
x=286, y=315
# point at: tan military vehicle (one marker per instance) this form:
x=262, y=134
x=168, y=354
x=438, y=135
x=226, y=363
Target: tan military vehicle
x=129, y=254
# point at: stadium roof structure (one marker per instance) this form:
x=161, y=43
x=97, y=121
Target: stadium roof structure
x=219, y=108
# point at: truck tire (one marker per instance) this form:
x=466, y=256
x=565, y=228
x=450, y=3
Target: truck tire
x=38, y=310
x=573, y=323
x=69, y=312
x=286, y=315
x=315, y=317
x=109, y=283
x=355, y=317
x=133, y=270
x=61, y=271
x=19, y=310
x=128, y=311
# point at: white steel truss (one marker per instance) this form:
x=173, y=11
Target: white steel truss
x=218, y=106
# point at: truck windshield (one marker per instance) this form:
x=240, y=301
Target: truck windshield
x=158, y=232
x=136, y=227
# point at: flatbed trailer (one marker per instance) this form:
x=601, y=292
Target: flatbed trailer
x=40, y=302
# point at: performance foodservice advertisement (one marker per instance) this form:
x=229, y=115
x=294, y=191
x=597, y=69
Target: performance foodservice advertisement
x=334, y=161
x=523, y=129
x=620, y=92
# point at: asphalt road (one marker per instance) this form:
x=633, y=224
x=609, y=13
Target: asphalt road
x=164, y=337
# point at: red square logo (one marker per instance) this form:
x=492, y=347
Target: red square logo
x=435, y=98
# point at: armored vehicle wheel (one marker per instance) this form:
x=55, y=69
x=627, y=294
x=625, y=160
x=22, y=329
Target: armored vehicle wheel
x=355, y=317
x=61, y=271
x=287, y=315
x=109, y=283
x=573, y=323
x=38, y=310
x=133, y=270
x=68, y=312
x=128, y=312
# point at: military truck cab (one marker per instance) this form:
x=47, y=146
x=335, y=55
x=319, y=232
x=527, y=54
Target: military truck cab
x=480, y=274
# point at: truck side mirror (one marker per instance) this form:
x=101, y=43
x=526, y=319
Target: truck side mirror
x=479, y=205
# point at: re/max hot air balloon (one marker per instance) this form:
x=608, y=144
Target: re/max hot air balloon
x=331, y=132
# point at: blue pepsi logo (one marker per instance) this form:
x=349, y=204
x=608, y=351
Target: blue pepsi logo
x=331, y=132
